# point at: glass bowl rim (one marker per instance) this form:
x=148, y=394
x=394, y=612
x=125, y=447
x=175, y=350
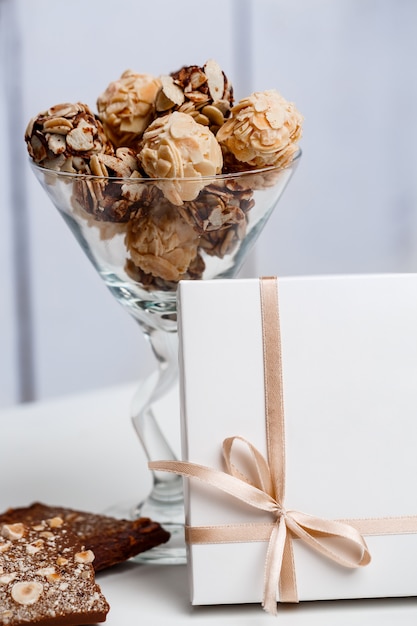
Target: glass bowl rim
x=223, y=176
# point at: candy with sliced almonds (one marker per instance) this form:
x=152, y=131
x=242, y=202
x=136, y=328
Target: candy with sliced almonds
x=203, y=92
x=65, y=137
x=177, y=147
x=262, y=130
x=126, y=107
x=161, y=243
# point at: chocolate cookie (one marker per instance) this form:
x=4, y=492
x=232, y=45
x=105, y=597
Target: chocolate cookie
x=112, y=540
x=47, y=577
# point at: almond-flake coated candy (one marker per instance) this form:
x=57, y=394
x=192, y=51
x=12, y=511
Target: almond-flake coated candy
x=205, y=93
x=64, y=137
x=262, y=130
x=219, y=215
x=161, y=243
x=47, y=577
x=111, y=540
x=127, y=107
x=175, y=146
x=105, y=197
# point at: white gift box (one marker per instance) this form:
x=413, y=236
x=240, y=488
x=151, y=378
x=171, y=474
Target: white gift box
x=349, y=371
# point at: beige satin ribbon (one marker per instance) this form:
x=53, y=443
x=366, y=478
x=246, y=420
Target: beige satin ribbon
x=265, y=488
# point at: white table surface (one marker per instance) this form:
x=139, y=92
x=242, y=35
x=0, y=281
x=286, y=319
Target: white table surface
x=81, y=451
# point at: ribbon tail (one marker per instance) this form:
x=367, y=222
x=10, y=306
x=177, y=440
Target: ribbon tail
x=273, y=566
x=279, y=569
x=287, y=582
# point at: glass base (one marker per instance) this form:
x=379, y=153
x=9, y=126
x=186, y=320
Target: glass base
x=171, y=553
x=171, y=517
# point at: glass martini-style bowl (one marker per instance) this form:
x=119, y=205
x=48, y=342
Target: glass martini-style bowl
x=142, y=242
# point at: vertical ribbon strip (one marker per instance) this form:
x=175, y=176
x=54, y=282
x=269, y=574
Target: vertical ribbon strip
x=267, y=491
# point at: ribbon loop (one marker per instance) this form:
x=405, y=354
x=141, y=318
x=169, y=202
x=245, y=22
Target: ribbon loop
x=336, y=540
x=260, y=474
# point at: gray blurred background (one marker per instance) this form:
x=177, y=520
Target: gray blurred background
x=349, y=65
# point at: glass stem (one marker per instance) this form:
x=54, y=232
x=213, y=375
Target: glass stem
x=167, y=488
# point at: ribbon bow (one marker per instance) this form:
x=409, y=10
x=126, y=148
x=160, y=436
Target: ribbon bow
x=351, y=551
x=265, y=489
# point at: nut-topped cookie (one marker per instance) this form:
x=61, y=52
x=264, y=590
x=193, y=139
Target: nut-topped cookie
x=111, y=540
x=47, y=577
